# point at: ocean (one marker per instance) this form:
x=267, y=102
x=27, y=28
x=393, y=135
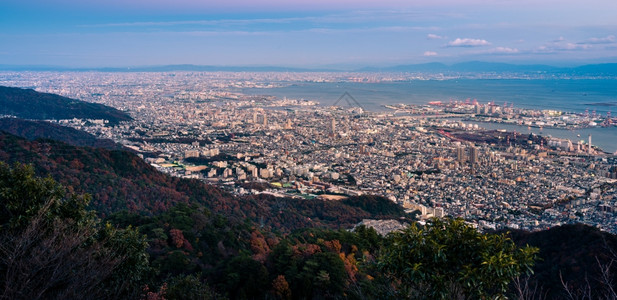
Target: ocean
x=568, y=95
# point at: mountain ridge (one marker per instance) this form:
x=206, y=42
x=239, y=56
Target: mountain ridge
x=467, y=66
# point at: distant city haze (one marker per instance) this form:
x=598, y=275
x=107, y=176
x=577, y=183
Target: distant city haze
x=313, y=34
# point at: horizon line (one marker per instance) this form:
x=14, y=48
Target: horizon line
x=306, y=68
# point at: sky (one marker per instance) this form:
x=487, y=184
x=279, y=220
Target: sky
x=305, y=33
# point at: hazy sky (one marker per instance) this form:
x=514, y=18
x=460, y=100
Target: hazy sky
x=307, y=33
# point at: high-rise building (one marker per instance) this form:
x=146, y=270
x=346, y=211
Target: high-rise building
x=333, y=126
x=473, y=155
x=265, y=120
x=589, y=146
x=460, y=155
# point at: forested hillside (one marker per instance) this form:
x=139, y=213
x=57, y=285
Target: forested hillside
x=53, y=248
x=45, y=130
x=204, y=243
x=120, y=180
x=30, y=104
x=578, y=256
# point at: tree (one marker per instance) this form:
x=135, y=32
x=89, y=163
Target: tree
x=245, y=278
x=51, y=247
x=133, y=269
x=449, y=259
x=281, y=287
x=189, y=287
x=325, y=271
x=24, y=197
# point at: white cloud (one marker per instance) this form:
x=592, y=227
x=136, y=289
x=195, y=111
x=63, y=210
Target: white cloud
x=572, y=46
x=431, y=36
x=430, y=53
x=500, y=51
x=503, y=50
x=562, y=44
x=605, y=40
x=554, y=47
x=544, y=49
x=468, y=43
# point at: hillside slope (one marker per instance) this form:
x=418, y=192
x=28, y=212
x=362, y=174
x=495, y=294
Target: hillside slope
x=120, y=180
x=574, y=253
x=30, y=104
x=33, y=130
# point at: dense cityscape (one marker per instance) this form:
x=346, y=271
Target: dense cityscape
x=434, y=159
x=298, y=150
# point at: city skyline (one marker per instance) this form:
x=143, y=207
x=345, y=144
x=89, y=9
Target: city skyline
x=305, y=33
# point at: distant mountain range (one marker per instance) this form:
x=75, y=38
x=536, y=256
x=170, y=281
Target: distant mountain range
x=609, y=69
x=169, y=68
x=30, y=104
x=605, y=69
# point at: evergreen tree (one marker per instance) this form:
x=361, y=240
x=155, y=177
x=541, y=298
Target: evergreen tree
x=51, y=247
x=448, y=259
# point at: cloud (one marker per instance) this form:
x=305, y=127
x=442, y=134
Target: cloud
x=572, y=46
x=468, y=43
x=431, y=36
x=499, y=51
x=544, y=49
x=605, y=40
x=430, y=53
x=562, y=44
x=555, y=47
x=503, y=50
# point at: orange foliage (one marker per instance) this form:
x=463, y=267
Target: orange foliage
x=177, y=237
x=305, y=250
x=259, y=246
x=334, y=246
x=281, y=289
